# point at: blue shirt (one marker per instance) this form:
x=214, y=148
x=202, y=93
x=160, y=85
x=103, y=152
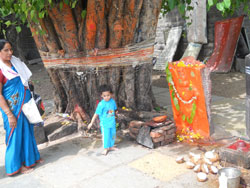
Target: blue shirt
x=106, y=112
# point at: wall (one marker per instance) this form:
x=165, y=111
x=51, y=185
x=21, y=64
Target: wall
x=173, y=19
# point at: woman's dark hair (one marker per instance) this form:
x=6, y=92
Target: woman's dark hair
x=104, y=88
x=3, y=42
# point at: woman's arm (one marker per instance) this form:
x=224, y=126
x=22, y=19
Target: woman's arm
x=6, y=109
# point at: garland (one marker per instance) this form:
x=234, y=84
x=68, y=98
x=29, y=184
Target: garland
x=175, y=96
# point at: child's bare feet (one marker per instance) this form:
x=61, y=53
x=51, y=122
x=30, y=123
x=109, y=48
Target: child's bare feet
x=105, y=152
x=113, y=148
x=25, y=170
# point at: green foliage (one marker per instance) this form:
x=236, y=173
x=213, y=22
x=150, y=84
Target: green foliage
x=226, y=7
x=31, y=10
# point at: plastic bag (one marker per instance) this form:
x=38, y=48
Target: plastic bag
x=31, y=111
x=37, y=99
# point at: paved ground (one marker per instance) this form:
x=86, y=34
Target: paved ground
x=76, y=161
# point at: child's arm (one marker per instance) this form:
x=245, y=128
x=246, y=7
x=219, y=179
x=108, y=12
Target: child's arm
x=92, y=120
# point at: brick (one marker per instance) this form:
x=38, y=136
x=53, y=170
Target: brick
x=167, y=127
x=136, y=124
x=155, y=134
x=171, y=131
x=170, y=136
x=158, y=139
x=158, y=130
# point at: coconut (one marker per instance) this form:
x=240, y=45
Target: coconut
x=207, y=161
x=204, y=168
x=215, y=158
x=197, y=168
x=180, y=159
x=195, y=158
x=190, y=165
x=201, y=177
x=213, y=169
x=191, y=154
x=212, y=156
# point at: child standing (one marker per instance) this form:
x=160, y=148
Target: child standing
x=106, y=112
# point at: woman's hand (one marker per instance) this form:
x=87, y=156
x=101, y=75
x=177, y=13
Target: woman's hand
x=12, y=120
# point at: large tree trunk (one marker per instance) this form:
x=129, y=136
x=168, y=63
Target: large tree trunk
x=112, y=45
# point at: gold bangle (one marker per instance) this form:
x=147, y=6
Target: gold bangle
x=8, y=112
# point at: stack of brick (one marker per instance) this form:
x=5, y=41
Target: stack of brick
x=134, y=128
x=161, y=133
x=164, y=134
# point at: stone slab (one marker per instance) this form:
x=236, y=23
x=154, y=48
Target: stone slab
x=73, y=169
x=63, y=131
x=144, y=138
x=126, y=153
x=24, y=181
x=122, y=177
x=39, y=133
x=236, y=157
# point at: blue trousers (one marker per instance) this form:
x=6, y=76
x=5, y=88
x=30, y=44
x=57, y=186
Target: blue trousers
x=108, y=137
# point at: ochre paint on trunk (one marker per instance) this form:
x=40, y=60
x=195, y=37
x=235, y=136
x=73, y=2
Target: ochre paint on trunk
x=65, y=27
x=131, y=19
x=101, y=60
x=91, y=20
x=101, y=25
x=115, y=23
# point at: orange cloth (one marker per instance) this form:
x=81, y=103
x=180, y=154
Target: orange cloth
x=187, y=81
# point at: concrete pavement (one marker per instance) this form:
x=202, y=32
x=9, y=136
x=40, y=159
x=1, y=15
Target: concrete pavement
x=75, y=161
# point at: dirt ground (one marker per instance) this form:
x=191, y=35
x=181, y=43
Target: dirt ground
x=230, y=85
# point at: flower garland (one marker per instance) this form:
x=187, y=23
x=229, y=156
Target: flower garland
x=179, y=98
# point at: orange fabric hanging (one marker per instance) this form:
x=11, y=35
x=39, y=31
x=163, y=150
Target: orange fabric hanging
x=187, y=96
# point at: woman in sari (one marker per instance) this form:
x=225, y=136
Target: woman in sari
x=21, y=148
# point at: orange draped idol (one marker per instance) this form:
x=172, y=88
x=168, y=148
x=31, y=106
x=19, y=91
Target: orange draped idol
x=190, y=108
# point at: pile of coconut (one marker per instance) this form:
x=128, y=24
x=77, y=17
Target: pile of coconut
x=202, y=164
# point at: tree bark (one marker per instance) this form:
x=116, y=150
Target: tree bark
x=82, y=54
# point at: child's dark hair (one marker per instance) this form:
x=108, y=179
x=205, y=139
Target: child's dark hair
x=104, y=88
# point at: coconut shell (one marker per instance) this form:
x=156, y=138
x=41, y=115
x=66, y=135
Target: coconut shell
x=189, y=165
x=180, y=160
x=195, y=159
x=207, y=161
x=215, y=158
x=204, y=168
x=213, y=169
x=201, y=177
x=191, y=154
x=197, y=168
